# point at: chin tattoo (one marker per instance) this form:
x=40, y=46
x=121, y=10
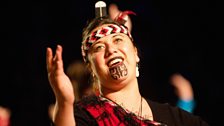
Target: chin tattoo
x=118, y=71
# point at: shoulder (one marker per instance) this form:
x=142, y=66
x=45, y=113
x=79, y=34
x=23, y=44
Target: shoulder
x=173, y=115
x=86, y=102
x=92, y=99
x=82, y=116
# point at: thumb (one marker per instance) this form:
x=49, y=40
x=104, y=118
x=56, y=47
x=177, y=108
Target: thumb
x=113, y=11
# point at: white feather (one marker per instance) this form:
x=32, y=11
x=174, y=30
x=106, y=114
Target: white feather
x=100, y=4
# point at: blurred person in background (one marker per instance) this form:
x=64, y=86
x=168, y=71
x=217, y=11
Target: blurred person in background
x=184, y=92
x=5, y=115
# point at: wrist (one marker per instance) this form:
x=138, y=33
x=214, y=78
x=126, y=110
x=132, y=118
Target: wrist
x=187, y=105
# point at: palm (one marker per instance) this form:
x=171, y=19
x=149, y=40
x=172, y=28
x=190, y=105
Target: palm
x=59, y=81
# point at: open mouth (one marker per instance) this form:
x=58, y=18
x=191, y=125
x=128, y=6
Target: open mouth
x=114, y=61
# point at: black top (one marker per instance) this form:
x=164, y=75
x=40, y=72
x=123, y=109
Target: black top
x=162, y=112
x=174, y=116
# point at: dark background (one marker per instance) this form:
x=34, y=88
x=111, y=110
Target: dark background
x=172, y=36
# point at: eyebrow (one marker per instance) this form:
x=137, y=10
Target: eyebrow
x=117, y=35
x=96, y=43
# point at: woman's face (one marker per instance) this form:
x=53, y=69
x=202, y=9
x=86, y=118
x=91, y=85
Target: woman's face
x=113, y=59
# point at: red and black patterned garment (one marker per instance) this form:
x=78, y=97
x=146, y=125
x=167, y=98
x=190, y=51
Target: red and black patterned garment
x=99, y=111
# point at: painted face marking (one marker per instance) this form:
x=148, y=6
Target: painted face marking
x=118, y=71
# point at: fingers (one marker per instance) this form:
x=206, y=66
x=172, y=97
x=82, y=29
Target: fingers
x=58, y=57
x=58, y=53
x=49, y=57
x=178, y=80
x=183, y=87
x=56, y=61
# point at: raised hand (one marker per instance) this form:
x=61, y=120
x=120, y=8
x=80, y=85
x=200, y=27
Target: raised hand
x=183, y=87
x=59, y=81
x=114, y=12
x=62, y=87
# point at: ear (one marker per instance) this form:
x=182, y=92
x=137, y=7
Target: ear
x=88, y=67
x=136, y=55
x=91, y=68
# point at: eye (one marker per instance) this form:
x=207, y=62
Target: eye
x=98, y=47
x=117, y=40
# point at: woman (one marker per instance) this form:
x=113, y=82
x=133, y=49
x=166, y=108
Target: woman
x=110, y=52
x=182, y=86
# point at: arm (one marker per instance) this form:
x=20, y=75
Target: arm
x=62, y=88
x=184, y=92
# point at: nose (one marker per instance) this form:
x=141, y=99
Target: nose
x=110, y=49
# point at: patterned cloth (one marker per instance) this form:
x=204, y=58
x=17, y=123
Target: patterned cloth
x=108, y=113
x=102, y=32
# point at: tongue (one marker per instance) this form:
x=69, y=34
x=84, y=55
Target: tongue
x=115, y=64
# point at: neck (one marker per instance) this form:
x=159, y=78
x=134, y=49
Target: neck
x=128, y=97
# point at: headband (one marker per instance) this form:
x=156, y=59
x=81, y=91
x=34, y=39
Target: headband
x=100, y=11
x=102, y=32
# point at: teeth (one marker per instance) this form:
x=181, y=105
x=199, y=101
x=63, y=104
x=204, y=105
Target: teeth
x=115, y=61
